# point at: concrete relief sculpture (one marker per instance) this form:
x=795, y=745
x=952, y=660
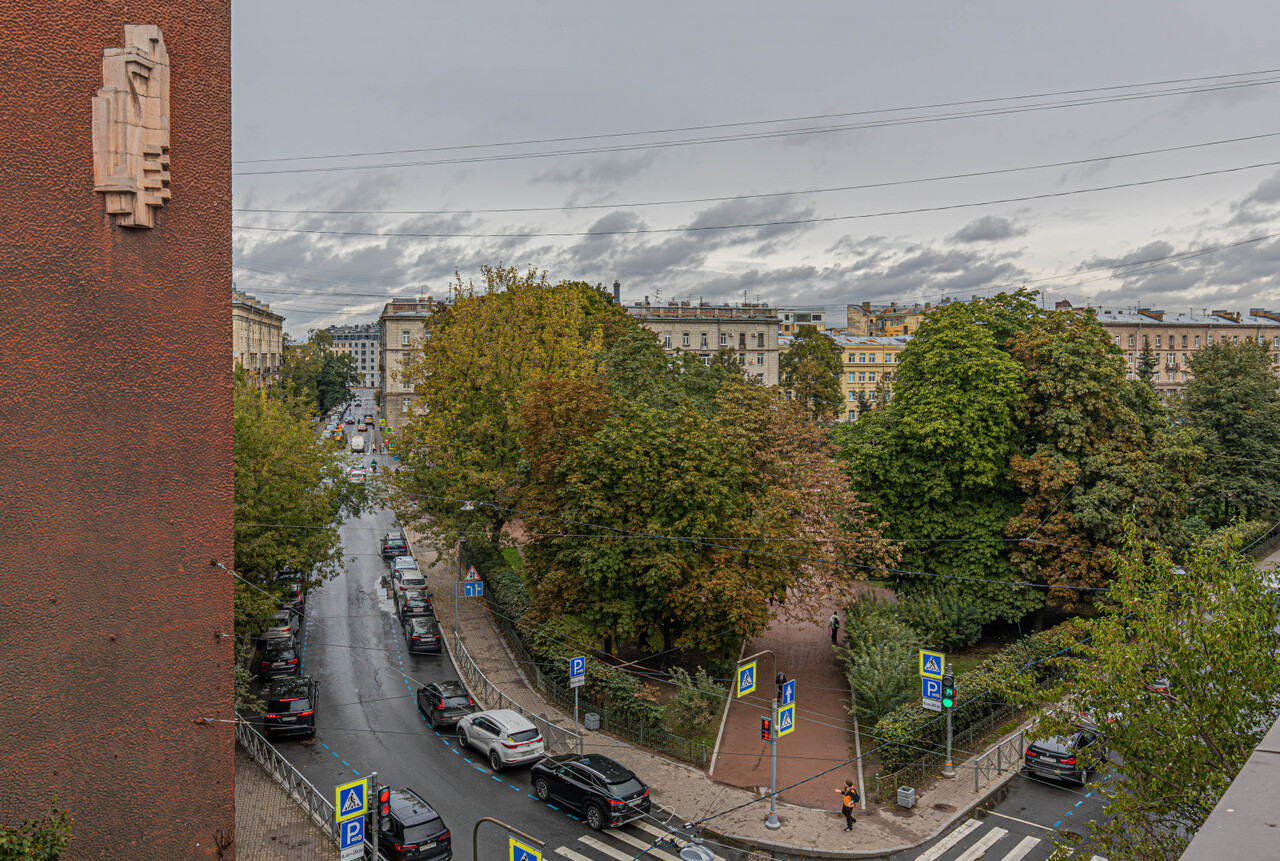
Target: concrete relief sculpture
x=131, y=127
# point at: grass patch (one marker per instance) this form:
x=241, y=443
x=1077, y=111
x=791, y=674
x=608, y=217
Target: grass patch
x=513, y=557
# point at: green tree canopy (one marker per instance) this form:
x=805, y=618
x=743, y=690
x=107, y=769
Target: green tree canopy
x=313, y=378
x=811, y=371
x=1233, y=405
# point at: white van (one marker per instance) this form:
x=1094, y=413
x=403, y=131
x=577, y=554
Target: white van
x=357, y=442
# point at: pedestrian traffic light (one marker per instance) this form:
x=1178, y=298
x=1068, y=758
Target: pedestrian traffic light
x=948, y=691
x=384, y=808
x=766, y=729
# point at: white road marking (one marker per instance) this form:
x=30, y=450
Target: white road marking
x=641, y=844
x=1019, y=852
x=977, y=850
x=570, y=854
x=940, y=848
x=606, y=849
x=657, y=832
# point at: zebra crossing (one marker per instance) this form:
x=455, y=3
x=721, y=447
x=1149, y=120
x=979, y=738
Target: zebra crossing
x=622, y=844
x=976, y=840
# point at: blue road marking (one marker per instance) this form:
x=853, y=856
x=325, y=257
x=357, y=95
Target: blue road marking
x=1069, y=812
x=479, y=769
x=513, y=786
x=495, y=777
x=552, y=806
x=455, y=750
x=1078, y=803
x=571, y=816
x=1056, y=824
x=534, y=797
x=445, y=740
x=466, y=759
x=1088, y=794
x=356, y=773
x=325, y=746
x=347, y=764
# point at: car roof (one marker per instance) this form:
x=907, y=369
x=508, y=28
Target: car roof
x=449, y=688
x=410, y=807
x=509, y=718
x=290, y=686
x=279, y=644
x=610, y=769
x=424, y=622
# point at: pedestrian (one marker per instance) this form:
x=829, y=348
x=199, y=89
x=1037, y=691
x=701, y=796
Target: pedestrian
x=833, y=625
x=781, y=680
x=848, y=797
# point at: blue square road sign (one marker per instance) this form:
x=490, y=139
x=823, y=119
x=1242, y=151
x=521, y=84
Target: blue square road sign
x=746, y=679
x=351, y=833
x=932, y=664
x=473, y=590
x=788, y=693
x=931, y=689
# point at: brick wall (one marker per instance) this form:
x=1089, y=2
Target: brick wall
x=117, y=445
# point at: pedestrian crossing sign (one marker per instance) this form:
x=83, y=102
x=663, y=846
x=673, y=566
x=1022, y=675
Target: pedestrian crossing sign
x=352, y=799
x=786, y=719
x=932, y=664
x=746, y=679
x=521, y=852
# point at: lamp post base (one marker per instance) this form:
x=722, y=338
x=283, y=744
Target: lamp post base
x=771, y=822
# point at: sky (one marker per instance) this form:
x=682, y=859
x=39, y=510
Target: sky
x=1119, y=153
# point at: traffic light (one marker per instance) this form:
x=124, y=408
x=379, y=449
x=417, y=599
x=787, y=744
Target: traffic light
x=948, y=691
x=766, y=729
x=384, y=808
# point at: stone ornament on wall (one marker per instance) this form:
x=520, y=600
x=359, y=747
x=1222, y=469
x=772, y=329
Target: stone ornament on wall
x=131, y=127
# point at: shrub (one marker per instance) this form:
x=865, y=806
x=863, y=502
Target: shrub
x=944, y=622
x=697, y=702
x=879, y=655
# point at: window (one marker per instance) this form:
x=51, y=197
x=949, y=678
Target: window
x=1157, y=340
x=666, y=340
x=704, y=340
x=706, y=360
x=742, y=340
x=853, y=396
x=1235, y=342
x=862, y=358
x=1184, y=376
x=759, y=358
x=862, y=376
x=760, y=339
x=850, y=415
x=684, y=339
x=1130, y=340
x=404, y=338
x=1117, y=340
x=1146, y=341
x=1184, y=342
x=724, y=339
x=850, y=362
x=1197, y=342
x=871, y=357
x=871, y=376
x=1210, y=341
x=1275, y=342
x=853, y=377
x=742, y=359
x=404, y=407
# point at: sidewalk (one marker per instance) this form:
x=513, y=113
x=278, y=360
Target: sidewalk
x=689, y=794
x=270, y=826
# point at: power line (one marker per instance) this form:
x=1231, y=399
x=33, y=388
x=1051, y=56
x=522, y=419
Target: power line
x=789, y=222
x=772, y=134
x=793, y=193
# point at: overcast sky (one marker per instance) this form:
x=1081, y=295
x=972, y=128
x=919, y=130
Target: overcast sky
x=461, y=85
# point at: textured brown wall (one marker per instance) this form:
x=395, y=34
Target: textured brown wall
x=115, y=455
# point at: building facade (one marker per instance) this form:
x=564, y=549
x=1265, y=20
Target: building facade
x=791, y=319
x=890, y=320
x=1173, y=338
x=257, y=338
x=363, y=343
x=401, y=328
x=749, y=331
x=114, y=663
x=868, y=366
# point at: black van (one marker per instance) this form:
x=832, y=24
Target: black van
x=291, y=707
x=413, y=831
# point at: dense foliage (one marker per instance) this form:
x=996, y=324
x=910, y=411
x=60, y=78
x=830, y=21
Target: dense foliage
x=313, y=377
x=810, y=369
x=42, y=838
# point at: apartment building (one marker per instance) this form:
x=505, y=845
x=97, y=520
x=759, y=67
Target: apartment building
x=360, y=342
x=749, y=330
x=868, y=366
x=793, y=318
x=885, y=321
x=401, y=327
x=257, y=337
x=1174, y=337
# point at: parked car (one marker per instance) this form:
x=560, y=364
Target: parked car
x=283, y=624
x=291, y=707
x=393, y=545
x=403, y=562
x=422, y=635
x=413, y=604
x=1068, y=757
x=413, y=831
x=505, y=736
x=278, y=657
x=357, y=475
x=444, y=703
x=405, y=580
x=604, y=791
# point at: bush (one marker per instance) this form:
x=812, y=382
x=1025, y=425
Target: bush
x=697, y=702
x=980, y=692
x=943, y=622
x=879, y=654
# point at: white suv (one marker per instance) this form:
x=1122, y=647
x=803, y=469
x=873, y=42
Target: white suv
x=506, y=736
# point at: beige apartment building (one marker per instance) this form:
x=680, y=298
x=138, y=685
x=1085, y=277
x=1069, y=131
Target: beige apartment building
x=401, y=327
x=885, y=321
x=868, y=366
x=793, y=318
x=257, y=338
x=749, y=330
x=1174, y=337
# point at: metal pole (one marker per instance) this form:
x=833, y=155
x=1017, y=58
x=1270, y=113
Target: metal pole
x=475, y=833
x=948, y=770
x=455, y=587
x=772, y=822
x=372, y=832
x=576, y=731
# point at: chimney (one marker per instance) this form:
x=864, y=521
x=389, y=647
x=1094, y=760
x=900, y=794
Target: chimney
x=617, y=292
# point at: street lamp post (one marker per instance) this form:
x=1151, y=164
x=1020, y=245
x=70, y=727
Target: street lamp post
x=772, y=822
x=475, y=833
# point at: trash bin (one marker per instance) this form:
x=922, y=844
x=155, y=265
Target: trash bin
x=591, y=720
x=906, y=796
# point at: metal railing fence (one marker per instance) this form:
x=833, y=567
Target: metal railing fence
x=313, y=802
x=1004, y=756
x=555, y=738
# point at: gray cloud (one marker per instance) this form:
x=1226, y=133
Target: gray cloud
x=989, y=228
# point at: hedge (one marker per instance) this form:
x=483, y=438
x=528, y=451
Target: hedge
x=980, y=692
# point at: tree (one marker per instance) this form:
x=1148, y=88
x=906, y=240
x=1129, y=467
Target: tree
x=37, y=839
x=1204, y=629
x=313, y=377
x=811, y=370
x=486, y=350
x=1232, y=404
x=1147, y=362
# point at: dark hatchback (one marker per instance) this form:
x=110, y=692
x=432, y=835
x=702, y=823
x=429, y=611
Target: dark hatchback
x=604, y=791
x=1067, y=757
x=291, y=707
x=413, y=830
x=277, y=659
x=393, y=545
x=445, y=703
x=422, y=635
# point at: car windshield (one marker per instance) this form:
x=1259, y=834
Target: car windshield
x=628, y=787
x=524, y=735
x=423, y=831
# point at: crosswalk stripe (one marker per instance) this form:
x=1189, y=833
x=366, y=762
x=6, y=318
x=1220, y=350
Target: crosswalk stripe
x=658, y=832
x=570, y=854
x=606, y=849
x=940, y=848
x=1019, y=852
x=977, y=850
x=641, y=844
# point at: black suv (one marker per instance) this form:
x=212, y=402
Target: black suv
x=393, y=545
x=413, y=831
x=444, y=703
x=1068, y=757
x=422, y=634
x=278, y=658
x=604, y=791
x=412, y=603
x=291, y=707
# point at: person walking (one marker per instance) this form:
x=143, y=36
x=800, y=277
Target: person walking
x=833, y=625
x=781, y=680
x=848, y=797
